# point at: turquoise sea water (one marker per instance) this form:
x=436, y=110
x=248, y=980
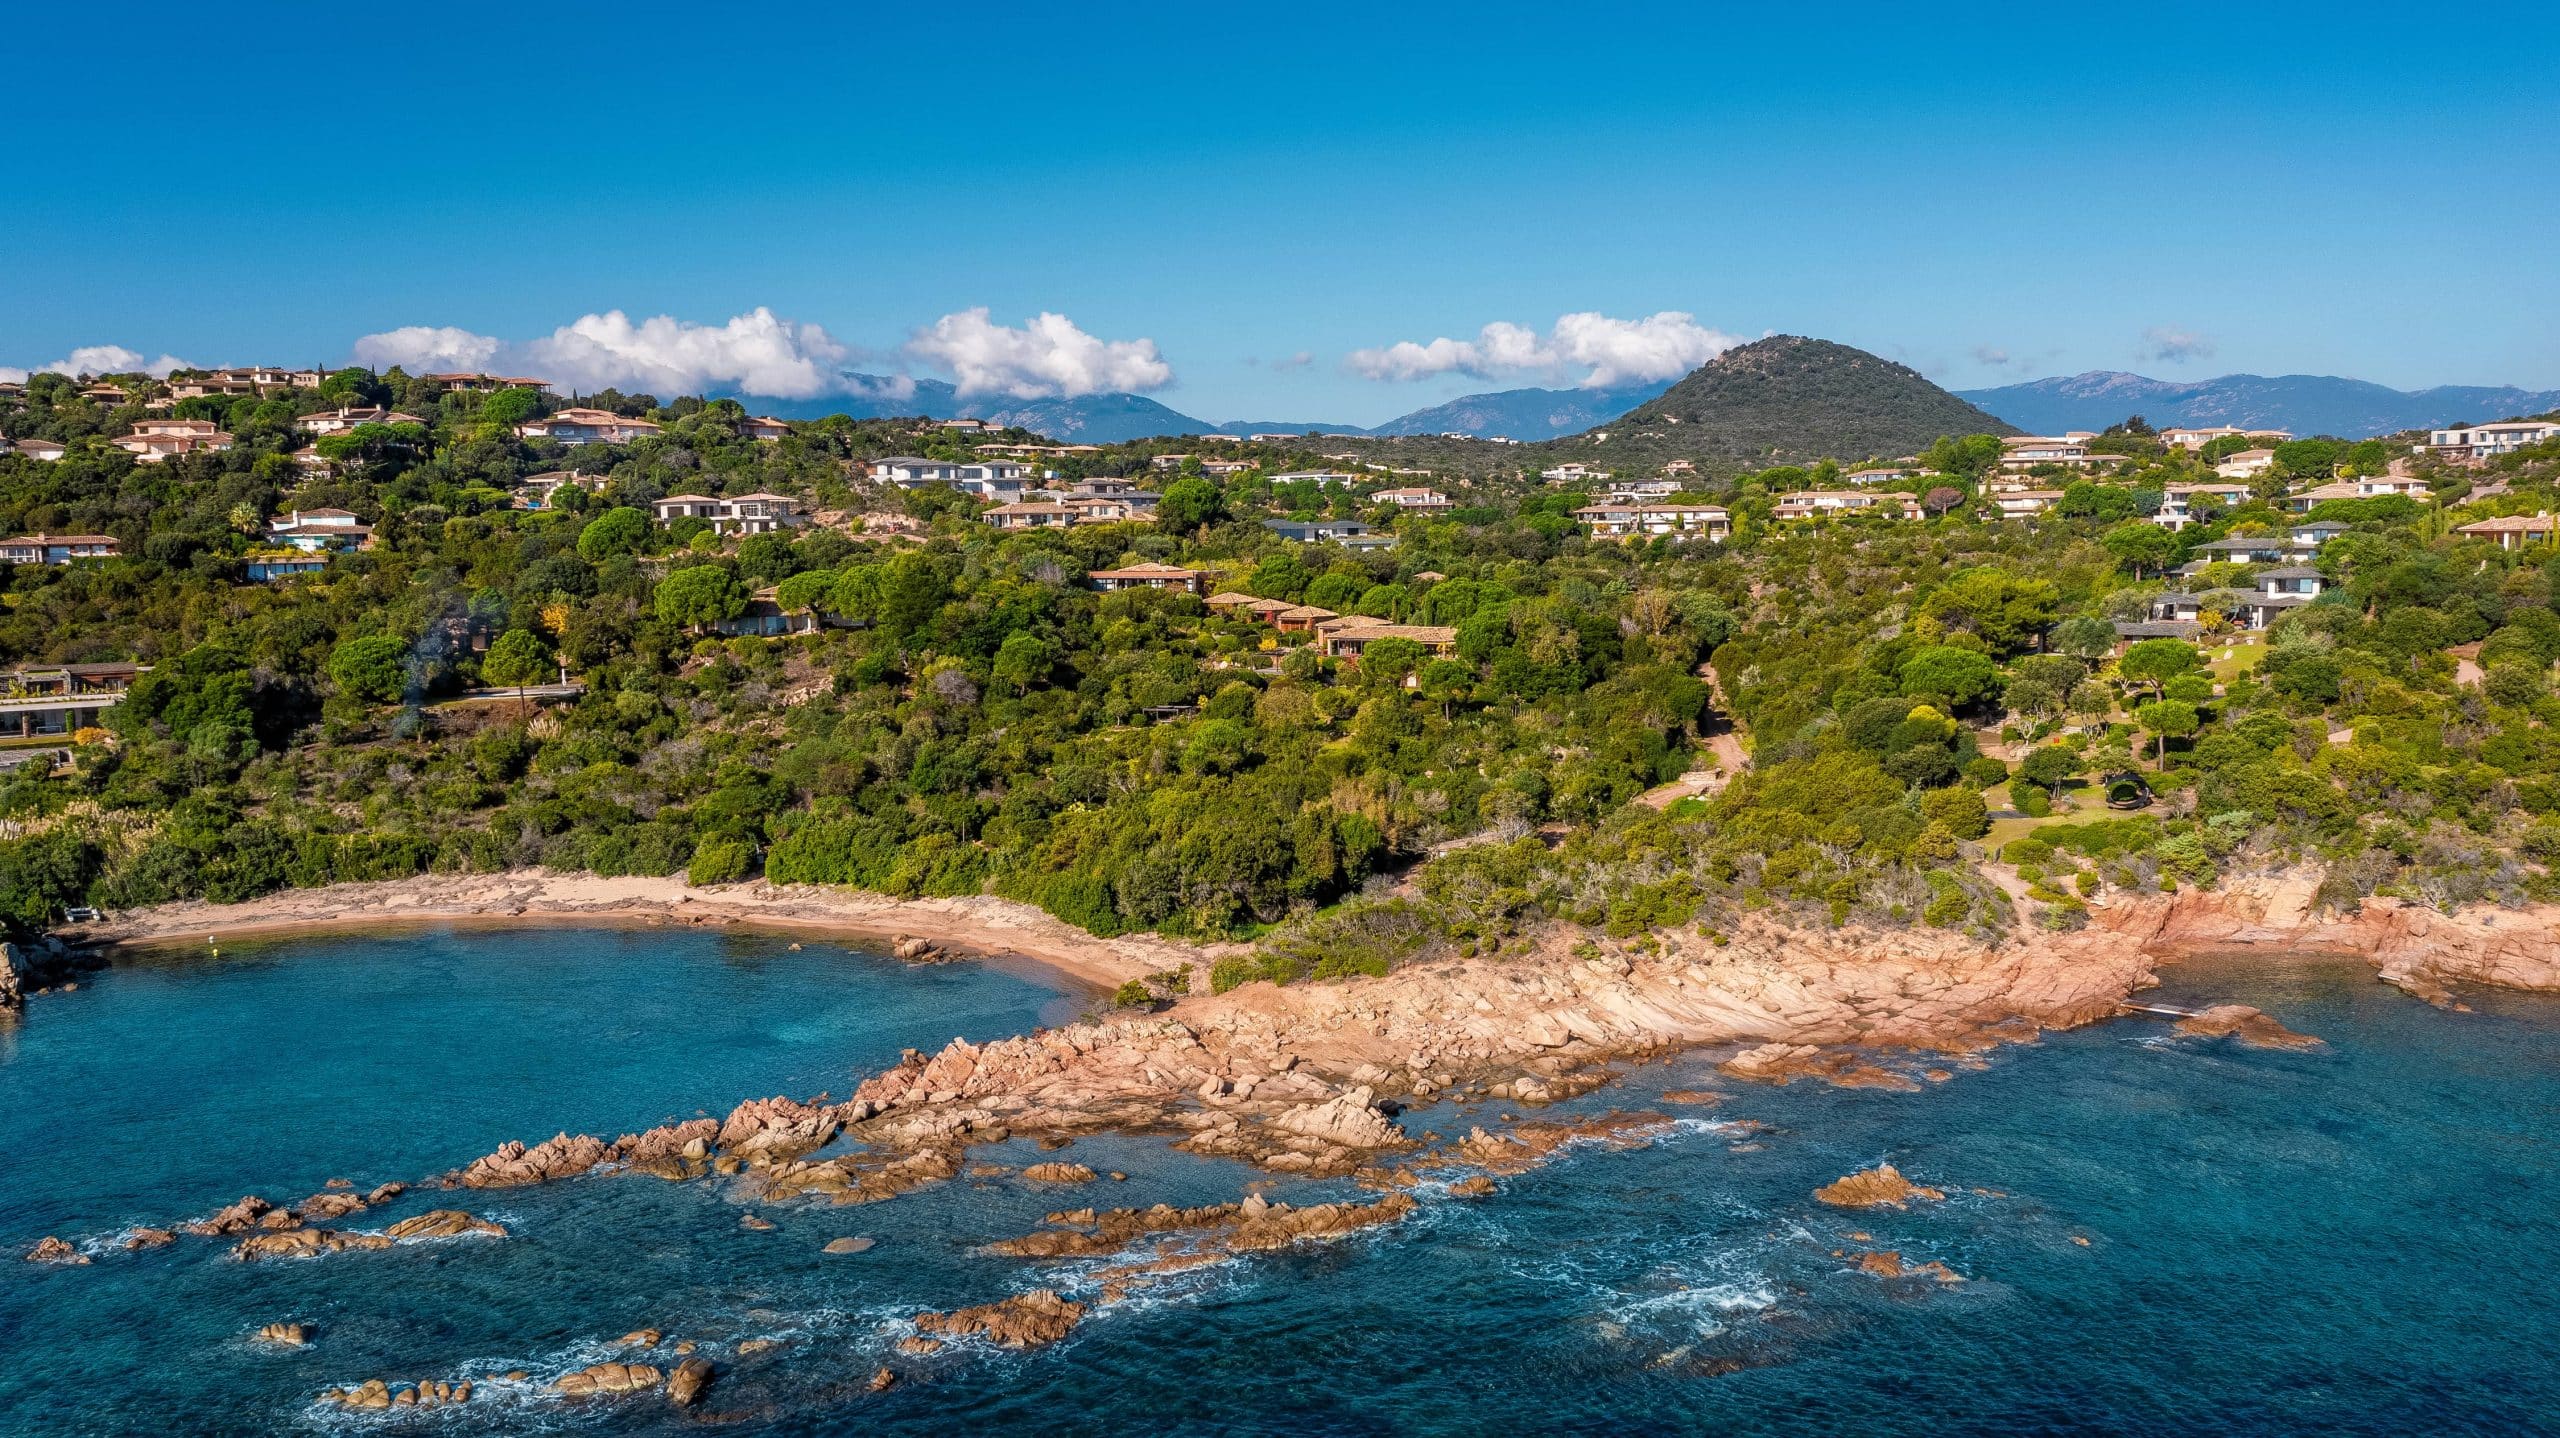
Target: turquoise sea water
x=2358, y=1239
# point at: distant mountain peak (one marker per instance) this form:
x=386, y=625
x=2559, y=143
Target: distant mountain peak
x=1796, y=399
x=2306, y=404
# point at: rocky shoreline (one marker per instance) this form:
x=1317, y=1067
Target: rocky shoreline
x=1315, y=1080
x=1310, y=1080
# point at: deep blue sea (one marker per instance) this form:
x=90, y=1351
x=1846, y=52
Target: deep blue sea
x=2357, y=1239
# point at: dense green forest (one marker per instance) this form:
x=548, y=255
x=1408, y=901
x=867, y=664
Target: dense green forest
x=975, y=717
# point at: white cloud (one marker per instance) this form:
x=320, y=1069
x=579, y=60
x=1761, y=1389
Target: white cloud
x=1593, y=349
x=427, y=349
x=1047, y=358
x=756, y=353
x=97, y=359
x=2173, y=344
x=1300, y=360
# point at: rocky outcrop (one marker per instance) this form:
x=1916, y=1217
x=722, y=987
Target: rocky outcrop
x=306, y=1243
x=685, y=1386
x=1059, y=1173
x=236, y=1218
x=2246, y=1024
x=1350, y=1119
x=1028, y=1320
x=603, y=1379
x=50, y=1249
x=513, y=1165
x=1882, y=1186
x=12, y=979
x=2412, y=946
x=776, y=1130
x=285, y=1335
x=313, y=1242
x=840, y=1246
x=443, y=1223
x=676, y=1151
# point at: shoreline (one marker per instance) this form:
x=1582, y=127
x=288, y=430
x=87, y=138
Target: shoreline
x=978, y=927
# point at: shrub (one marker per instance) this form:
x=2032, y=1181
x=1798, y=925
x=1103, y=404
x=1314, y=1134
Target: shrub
x=1961, y=810
x=720, y=861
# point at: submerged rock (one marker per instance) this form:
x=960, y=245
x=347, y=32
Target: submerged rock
x=1878, y=1187
x=1885, y=1263
x=847, y=1245
x=376, y=1393
x=2250, y=1026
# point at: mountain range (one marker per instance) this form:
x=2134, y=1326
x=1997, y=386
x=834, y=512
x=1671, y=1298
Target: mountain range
x=2306, y=404
x=1522, y=414
x=1822, y=375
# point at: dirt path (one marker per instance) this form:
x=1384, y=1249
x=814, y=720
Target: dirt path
x=1705, y=781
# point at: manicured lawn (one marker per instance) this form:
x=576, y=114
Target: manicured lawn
x=2243, y=651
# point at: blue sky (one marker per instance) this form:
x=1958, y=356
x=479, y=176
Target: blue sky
x=1989, y=194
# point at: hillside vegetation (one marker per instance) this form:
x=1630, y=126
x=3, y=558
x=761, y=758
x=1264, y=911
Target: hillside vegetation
x=977, y=718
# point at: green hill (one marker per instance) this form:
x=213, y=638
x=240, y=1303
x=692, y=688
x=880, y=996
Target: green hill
x=1790, y=400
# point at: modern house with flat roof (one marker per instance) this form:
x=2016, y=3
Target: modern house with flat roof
x=1317, y=531
x=758, y=513
x=2473, y=443
x=43, y=700
x=2193, y=438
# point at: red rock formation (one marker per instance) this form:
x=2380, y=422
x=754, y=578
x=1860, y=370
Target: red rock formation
x=513, y=1165
x=1029, y=1320
x=1882, y=1186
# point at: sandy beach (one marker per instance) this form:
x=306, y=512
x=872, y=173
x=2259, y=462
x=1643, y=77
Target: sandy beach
x=977, y=925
